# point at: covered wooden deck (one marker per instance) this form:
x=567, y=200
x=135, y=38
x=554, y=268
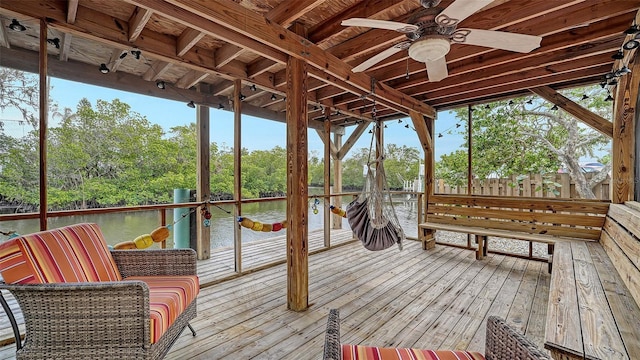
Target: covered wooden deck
x=437, y=298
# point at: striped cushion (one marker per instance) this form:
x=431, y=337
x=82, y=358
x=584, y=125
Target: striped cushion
x=357, y=352
x=13, y=265
x=169, y=296
x=76, y=253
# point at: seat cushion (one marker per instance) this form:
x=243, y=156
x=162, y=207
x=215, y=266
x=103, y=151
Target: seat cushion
x=357, y=352
x=169, y=296
x=75, y=253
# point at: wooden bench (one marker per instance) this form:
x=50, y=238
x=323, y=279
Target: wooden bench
x=593, y=308
x=541, y=220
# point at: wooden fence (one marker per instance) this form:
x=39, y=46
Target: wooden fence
x=532, y=185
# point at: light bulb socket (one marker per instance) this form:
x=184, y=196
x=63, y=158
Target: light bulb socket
x=16, y=26
x=631, y=44
x=104, y=69
x=191, y=104
x=161, y=84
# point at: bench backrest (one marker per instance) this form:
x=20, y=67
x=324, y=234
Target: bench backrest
x=565, y=218
x=75, y=253
x=621, y=240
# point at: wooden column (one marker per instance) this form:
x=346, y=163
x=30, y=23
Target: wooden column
x=237, y=173
x=424, y=129
x=44, y=110
x=203, y=186
x=469, y=160
x=297, y=188
x=336, y=221
x=624, y=143
x=327, y=182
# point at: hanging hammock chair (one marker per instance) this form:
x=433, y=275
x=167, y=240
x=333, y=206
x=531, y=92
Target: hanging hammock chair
x=371, y=215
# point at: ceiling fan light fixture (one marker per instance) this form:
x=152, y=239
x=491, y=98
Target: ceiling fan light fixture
x=429, y=49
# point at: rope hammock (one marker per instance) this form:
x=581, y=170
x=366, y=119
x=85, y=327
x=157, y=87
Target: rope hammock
x=371, y=215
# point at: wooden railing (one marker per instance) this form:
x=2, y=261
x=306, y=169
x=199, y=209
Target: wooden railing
x=532, y=185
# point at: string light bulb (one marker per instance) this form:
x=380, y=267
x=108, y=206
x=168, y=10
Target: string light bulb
x=191, y=104
x=16, y=26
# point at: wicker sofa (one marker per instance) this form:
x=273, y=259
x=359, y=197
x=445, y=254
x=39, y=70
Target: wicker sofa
x=502, y=343
x=81, y=301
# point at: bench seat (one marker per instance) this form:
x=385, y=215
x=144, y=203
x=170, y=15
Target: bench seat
x=593, y=308
x=531, y=219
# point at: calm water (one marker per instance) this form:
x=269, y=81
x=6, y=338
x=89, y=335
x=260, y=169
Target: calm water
x=127, y=226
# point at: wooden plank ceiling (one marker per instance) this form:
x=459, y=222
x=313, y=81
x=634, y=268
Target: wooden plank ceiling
x=207, y=44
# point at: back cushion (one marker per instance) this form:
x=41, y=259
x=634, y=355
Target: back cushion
x=75, y=253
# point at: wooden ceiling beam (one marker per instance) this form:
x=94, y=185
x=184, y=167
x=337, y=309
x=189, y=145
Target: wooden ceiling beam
x=584, y=35
x=590, y=75
x=567, y=18
x=565, y=67
x=72, y=11
x=227, y=53
x=260, y=66
x=187, y=40
x=246, y=24
x=596, y=121
x=374, y=9
x=156, y=70
x=190, y=79
x=65, y=47
x=116, y=60
x=4, y=39
x=572, y=55
x=137, y=22
x=289, y=11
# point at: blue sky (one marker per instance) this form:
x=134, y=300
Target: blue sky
x=257, y=134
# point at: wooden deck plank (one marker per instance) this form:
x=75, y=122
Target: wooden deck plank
x=502, y=302
x=519, y=312
x=563, y=312
x=474, y=319
x=459, y=305
x=537, y=317
x=623, y=306
x=247, y=317
x=599, y=331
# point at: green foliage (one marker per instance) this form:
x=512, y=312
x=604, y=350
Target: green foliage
x=523, y=136
x=105, y=154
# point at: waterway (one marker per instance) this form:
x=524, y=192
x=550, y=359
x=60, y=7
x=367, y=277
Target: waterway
x=118, y=227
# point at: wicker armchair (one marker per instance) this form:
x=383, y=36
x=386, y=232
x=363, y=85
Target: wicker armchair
x=103, y=319
x=502, y=343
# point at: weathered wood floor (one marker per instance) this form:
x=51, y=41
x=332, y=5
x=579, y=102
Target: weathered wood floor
x=432, y=299
x=220, y=266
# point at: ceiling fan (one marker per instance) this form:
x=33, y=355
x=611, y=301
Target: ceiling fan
x=431, y=31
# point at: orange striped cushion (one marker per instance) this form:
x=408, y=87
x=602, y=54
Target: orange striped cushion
x=13, y=265
x=76, y=253
x=169, y=296
x=357, y=352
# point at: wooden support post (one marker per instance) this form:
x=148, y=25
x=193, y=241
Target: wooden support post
x=327, y=183
x=297, y=189
x=203, y=188
x=44, y=110
x=424, y=129
x=480, y=252
x=237, y=172
x=624, y=115
x=337, y=182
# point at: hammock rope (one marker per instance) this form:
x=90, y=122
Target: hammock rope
x=371, y=215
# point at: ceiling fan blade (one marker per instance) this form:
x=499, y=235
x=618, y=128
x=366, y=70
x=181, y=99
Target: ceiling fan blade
x=437, y=69
x=502, y=40
x=379, y=57
x=462, y=9
x=380, y=24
